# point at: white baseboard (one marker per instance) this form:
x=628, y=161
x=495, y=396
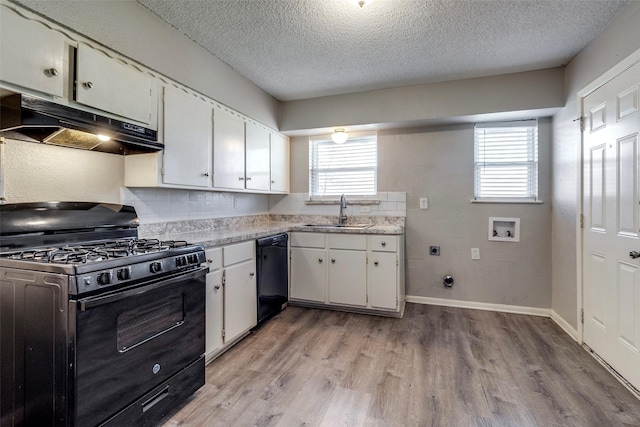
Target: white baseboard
x=533, y=311
x=573, y=333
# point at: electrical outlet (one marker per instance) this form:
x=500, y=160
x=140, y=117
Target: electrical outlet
x=365, y=209
x=424, y=203
x=434, y=250
x=475, y=253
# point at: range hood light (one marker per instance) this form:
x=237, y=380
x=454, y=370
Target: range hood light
x=103, y=137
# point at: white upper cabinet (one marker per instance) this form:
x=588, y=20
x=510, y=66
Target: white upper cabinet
x=109, y=85
x=279, y=163
x=257, y=157
x=187, y=139
x=228, y=151
x=31, y=55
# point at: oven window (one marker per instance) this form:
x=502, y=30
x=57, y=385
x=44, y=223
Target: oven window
x=145, y=322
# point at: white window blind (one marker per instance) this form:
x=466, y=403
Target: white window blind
x=506, y=161
x=349, y=168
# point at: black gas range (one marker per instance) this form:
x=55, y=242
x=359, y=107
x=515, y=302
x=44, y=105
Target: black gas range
x=98, y=327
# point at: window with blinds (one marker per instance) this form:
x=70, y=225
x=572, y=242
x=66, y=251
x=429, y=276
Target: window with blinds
x=349, y=168
x=506, y=161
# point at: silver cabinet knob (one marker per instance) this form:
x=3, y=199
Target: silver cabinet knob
x=241, y=178
x=320, y=260
x=273, y=182
x=216, y=287
x=248, y=178
x=87, y=85
x=384, y=243
x=375, y=262
x=252, y=274
x=209, y=260
x=634, y=254
x=205, y=174
x=333, y=260
x=51, y=72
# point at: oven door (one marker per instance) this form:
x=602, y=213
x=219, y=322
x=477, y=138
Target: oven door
x=128, y=342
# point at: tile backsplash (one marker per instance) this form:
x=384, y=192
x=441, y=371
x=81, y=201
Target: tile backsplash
x=155, y=205
x=393, y=204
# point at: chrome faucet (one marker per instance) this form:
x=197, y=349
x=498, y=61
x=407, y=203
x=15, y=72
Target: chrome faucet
x=342, y=217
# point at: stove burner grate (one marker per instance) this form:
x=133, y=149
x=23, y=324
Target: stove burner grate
x=95, y=252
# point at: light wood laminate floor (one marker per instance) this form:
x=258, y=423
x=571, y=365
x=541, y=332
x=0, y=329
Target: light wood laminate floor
x=437, y=366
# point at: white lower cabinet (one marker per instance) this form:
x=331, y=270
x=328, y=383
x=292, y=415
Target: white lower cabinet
x=309, y=273
x=361, y=273
x=231, y=306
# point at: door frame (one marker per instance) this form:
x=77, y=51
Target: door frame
x=609, y=75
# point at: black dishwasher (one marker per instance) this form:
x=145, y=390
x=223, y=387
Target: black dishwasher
x=273, y=277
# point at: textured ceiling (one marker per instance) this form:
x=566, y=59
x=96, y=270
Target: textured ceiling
x=295, y=49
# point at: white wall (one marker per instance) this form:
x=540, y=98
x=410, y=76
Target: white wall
x=39, y=172
x=518, y=95
x=437, y=162
x=131, y=30
x=617, y=41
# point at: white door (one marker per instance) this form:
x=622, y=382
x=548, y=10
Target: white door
x=611, y=277
x=187, y=139
x=279, y=163
x=240, y=299
x=348, y=277
x=109, y=85
x=228, y=151
x=383, y=280
x=308, y=274
x=257, y=155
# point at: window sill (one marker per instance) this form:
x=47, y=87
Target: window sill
x=362, y=202
x=508, y=201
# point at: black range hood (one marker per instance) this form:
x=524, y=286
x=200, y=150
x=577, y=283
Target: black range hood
x=34, y=119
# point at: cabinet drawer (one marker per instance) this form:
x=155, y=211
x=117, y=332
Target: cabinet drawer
x=383, y=243
x=307, y=240
x=347, y=241
x=214, y=258
x=234, y=254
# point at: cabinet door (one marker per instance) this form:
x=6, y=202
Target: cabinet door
x=240, y=299
x=109, y=85
x=187, y=139
x=383, y=280
x=228, y=151
x=31, y=55
x=257, y=155
x=308, y=274
x=279, y=163
x=214, y=307
x=348, y=277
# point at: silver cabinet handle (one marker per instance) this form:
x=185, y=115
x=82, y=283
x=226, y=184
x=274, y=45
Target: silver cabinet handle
x=634, y=254
x=320, y=260
x=384, y=243
x=216, y=287
x=205, y=174
x=375, y=262
x=87, y=85
x=248, y=178
x=240, y=179
x=210, y=260
x=51, y=72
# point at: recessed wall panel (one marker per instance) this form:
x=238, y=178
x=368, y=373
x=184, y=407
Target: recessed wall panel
x=597, y=188
x=627, y=277
x=627, y=186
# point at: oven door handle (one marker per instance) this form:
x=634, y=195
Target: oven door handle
x=92, y=302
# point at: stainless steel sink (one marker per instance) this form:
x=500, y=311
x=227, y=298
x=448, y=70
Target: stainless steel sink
x=342, y=226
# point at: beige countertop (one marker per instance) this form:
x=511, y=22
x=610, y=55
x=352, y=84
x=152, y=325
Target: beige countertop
x=223, y=236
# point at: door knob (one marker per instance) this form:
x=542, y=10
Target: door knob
x=634, y=254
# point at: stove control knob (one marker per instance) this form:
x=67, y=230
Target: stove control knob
x=181, y=261
x=103, y=278
x=124, y=274
x=155, y=267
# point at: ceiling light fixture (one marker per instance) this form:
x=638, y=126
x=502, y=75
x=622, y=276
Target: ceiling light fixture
x=360, y=3
x=339, y=136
